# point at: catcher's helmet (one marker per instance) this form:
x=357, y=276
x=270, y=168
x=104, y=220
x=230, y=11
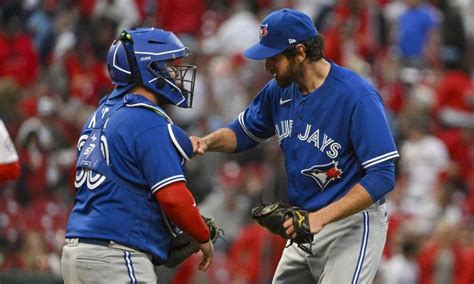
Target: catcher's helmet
x=145, y=56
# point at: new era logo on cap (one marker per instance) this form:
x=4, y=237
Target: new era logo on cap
x=279, y=30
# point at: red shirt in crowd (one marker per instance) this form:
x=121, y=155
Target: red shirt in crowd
x=19, y=58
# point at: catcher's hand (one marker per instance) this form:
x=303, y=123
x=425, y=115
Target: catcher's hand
x=273, y=215
x=183, y=245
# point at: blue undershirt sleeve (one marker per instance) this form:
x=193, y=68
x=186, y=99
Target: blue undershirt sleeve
x=374, y=145
x=379, y=179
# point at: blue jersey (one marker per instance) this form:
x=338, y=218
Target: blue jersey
x=128, y=149
x=414, y=28
x=330, y=137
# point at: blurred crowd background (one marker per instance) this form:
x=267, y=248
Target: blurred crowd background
x=419, y=54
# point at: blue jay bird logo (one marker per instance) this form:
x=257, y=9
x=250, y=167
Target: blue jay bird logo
x=263, y=30
x=324, y=174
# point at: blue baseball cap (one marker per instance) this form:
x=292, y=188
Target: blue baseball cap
x=280, y=30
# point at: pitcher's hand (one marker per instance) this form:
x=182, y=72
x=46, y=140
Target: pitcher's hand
x=199, y=145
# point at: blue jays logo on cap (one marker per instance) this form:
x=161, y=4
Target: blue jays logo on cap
x=324, y=174
x=280, y=30
x=263, y=30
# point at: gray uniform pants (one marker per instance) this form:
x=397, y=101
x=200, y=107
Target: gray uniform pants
x=346, y=251
x=90, y=263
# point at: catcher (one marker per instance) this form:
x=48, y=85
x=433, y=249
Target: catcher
x=132, y=208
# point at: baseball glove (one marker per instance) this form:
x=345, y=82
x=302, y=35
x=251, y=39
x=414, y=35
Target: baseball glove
x=183, y=245
x=273, y=215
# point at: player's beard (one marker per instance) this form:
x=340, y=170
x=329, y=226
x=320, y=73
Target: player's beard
x=288, y=76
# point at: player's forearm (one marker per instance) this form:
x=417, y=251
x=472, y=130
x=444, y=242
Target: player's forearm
x=356, y=200
x=221, y=140
x=178, y=204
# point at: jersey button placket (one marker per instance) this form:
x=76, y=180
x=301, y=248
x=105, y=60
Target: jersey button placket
x=299, y=123
x=300, y=115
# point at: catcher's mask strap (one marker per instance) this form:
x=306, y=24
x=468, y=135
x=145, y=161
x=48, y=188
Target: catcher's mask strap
x=127, y=41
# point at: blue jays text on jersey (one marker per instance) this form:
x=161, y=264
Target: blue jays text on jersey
x=321, y=141
x=128, y=149
x=330, y=138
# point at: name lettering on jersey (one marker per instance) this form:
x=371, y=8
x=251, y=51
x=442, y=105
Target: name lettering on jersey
x=105, y=110
x=324, y=174
x=105, y=124
x=284, y=129
x=326, y=145
x=92, y=122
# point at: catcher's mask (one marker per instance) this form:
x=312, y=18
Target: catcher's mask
x=148, y=57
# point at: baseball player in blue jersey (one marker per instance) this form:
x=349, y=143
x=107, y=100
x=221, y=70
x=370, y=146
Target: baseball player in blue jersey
x=131, y=197
x=339, y=152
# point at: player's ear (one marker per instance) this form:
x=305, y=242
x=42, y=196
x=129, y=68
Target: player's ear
x=300, y=52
